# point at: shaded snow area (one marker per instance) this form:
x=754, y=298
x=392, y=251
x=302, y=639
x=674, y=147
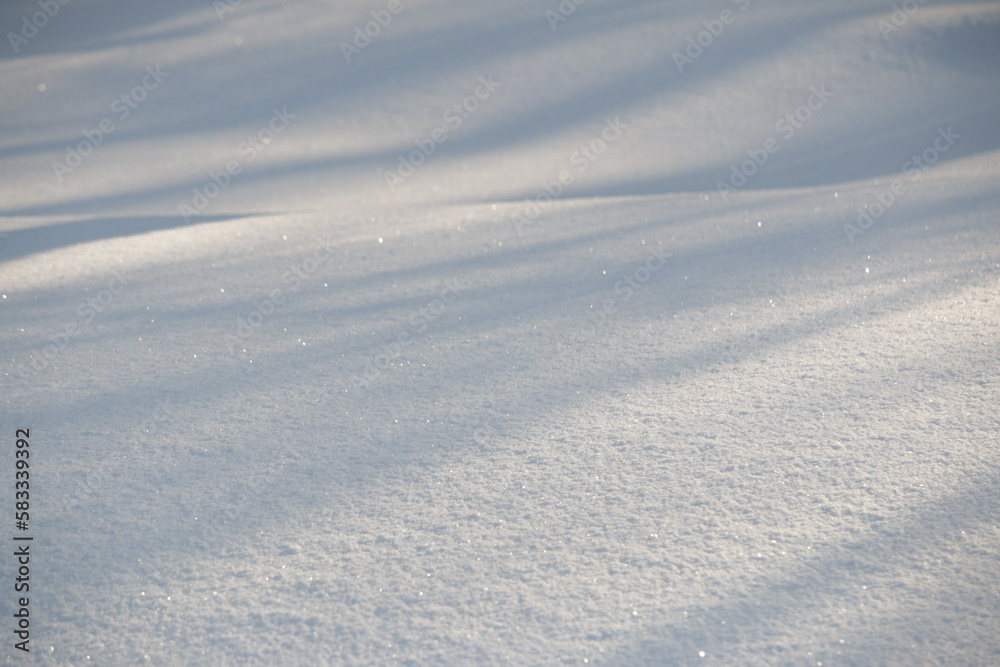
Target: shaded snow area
x=455, y=332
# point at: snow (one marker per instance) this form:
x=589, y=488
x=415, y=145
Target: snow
x=553, y=398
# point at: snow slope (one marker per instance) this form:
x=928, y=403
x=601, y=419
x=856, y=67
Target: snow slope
x=552, y=398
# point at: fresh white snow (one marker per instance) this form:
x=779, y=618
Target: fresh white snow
x=649, y=354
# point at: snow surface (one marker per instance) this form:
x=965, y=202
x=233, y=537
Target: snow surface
x=779, y=446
